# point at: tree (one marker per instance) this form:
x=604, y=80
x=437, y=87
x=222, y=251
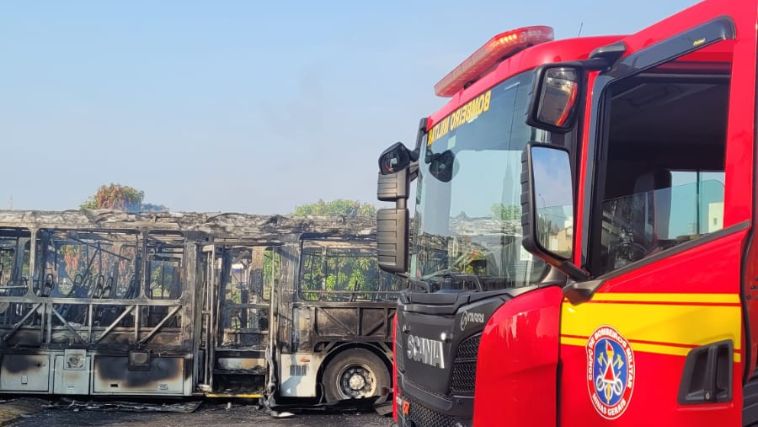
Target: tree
x=151, y=207
x=505, y=212
x=343, y=207
x=120, y=197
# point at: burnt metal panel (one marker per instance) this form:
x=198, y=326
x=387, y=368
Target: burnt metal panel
x=298, y=374
x=25, y=372
x=247, y=364
x=164, y=375
x=72, y=372
x=353, y=321
x=253, y=230
x=283, y=295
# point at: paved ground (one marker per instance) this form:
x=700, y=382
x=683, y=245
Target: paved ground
x=209, y=414
x=13, y=409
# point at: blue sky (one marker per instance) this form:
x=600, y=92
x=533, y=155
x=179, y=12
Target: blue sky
x=238, y=106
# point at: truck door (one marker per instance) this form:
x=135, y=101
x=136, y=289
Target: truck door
x=665, y=213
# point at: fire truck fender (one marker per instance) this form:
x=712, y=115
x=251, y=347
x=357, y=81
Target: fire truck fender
x=519, y=351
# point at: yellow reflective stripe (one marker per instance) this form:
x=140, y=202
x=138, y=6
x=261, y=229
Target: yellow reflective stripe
x=681, y=324
x=661, y=323
x=235, y=396
x=643, y=347
x=579, y=342
x=671, y=298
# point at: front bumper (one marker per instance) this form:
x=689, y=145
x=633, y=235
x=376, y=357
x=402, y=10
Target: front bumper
x=422, y=410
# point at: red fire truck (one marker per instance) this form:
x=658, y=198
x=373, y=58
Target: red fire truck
x=583, y=247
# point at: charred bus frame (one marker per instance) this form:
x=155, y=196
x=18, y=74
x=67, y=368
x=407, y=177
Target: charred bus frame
x=109, y=303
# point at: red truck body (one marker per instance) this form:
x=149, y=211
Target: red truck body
x=669, y=336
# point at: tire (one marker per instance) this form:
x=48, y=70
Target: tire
x=354, y=374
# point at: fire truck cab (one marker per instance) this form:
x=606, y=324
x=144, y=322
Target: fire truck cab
x=634, y=302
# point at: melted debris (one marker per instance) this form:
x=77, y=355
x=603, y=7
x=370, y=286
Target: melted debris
x=124, y=406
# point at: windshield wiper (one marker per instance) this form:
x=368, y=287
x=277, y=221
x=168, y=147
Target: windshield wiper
x=412, y=283
x=450, y=278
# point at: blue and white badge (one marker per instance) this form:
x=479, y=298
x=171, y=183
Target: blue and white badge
x=610, y=372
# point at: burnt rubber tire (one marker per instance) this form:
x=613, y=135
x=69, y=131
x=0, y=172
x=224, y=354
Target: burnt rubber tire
x=353, y=374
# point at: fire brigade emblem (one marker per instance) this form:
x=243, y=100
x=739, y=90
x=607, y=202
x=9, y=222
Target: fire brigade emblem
x=610, y=372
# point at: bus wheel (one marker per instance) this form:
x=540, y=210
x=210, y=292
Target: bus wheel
x=355, y=374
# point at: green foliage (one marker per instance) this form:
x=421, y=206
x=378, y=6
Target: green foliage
x=272, y=266
x=324, y=272
x=164, y=279
x=343, y=207
x=151, y=207
x=122, y=198
x=9, y=273
x=505, y=212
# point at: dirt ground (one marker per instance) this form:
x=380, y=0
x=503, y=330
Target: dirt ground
x=208, y=414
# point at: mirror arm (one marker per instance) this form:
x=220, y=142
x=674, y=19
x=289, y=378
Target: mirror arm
x=573, y=271
x=413, y=171
x=603, y=58
x=401, y=203
x=415, y=154
x=596, y=64
x=579, y=292
x=606, y=56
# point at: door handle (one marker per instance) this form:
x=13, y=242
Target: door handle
x=707, y=375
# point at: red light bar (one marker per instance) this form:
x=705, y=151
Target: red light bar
x=495, y=50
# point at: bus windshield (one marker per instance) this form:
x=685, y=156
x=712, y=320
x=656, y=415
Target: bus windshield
x=468, y=199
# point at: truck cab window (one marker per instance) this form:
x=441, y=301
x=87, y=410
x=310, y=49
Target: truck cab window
x=662, y=183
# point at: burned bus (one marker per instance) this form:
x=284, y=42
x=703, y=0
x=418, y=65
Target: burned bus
x=107, y=303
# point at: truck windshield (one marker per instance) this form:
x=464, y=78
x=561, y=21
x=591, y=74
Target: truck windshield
x=468, y=200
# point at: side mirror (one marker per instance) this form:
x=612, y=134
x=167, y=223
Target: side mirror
x=396, y=158
x=548, y=207
x=392, y=239
x=393, y=187
x=442, y=166
x=555, y=97
x=395, y=175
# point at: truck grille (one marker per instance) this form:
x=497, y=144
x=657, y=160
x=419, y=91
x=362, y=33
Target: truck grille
x=463, y=376
x=426, y=417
